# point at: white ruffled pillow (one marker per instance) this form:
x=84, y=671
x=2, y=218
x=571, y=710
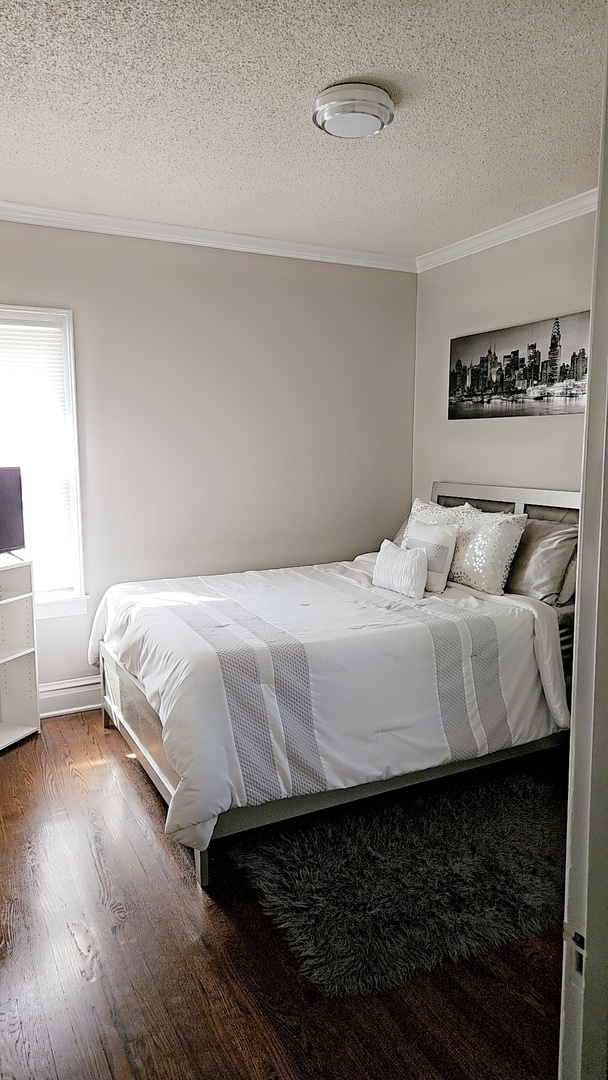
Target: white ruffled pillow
x=438, y=541
x=485, y=548
x=399, y=570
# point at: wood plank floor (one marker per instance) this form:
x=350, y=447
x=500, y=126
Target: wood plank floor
x=114, y=964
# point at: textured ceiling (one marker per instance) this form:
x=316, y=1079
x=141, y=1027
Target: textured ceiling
x=198, y=113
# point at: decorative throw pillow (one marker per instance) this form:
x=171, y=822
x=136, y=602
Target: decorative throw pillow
x=541, y=560
x=438, y=541
x=399, y=570
x=569, y=585
x=485, y=548
x=430, y=512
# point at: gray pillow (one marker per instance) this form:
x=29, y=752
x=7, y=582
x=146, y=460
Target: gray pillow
x=569, y=585
x=541, y=560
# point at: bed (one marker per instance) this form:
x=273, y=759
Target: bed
x=253, y=697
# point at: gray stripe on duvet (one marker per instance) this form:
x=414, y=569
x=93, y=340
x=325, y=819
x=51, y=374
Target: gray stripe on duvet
x=245, y=701
x=449, y=669
x=449, y=661
x=291, y=683
x=486, y=674
x=292, y=688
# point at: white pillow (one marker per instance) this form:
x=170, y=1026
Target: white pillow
x=399, y=570
x=485, y=548
x=430, y=512
x=438, y=541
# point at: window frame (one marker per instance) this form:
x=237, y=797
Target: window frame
x=73, y=601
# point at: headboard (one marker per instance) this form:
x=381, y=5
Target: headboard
x=549, y=505
x=537, y=503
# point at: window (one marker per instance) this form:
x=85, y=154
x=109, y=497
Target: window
x=38, y=433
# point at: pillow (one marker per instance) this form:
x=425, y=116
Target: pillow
x=485, y=548
x=438, y=541
x=541, y=560
x=432, y=513
x=569, y=585
x=400, y=570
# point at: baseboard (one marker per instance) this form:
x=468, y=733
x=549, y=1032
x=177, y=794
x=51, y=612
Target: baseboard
x=73, y=695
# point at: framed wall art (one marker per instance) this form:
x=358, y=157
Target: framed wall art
x=537, y=369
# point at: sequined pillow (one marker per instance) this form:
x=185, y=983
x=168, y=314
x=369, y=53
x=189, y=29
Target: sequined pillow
x=429, y=512
x=485, y=548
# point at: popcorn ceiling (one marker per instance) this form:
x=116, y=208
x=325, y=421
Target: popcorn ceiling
x=199, y=113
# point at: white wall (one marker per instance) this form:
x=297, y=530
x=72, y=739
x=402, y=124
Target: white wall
x=538, y=276
x=240, y=410
x=235, y=410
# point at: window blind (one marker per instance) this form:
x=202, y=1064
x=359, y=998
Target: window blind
x=38, y=433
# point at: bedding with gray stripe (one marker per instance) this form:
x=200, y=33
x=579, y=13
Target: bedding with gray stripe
x=436, y=614
x=242, y=683
x=286, y=682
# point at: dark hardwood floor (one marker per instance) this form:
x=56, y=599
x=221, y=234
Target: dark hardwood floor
x=114, y=964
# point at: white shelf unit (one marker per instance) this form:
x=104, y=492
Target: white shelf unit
x=19, y=706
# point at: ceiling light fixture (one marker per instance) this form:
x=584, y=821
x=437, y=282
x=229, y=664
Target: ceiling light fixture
x=353, y=110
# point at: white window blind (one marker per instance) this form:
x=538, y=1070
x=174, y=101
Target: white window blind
x=38, y=433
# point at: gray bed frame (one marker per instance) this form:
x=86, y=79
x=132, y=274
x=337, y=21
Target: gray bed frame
x=126, y=707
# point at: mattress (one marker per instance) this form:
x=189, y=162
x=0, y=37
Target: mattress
x=276, y=683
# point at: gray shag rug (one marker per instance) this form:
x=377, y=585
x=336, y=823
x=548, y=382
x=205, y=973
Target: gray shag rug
x=368, y=896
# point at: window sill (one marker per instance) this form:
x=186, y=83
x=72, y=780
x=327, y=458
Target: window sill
x=57, y=608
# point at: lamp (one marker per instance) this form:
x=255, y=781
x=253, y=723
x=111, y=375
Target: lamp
x=353, y=110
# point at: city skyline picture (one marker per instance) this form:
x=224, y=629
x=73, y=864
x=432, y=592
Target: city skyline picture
x=536, y=369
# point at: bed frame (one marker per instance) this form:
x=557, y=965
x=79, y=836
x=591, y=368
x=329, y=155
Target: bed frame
x=127, y=709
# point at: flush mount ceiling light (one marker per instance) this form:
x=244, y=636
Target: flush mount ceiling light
x=353, y=110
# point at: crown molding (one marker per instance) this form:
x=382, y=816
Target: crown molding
x=512, y=230
x=180, y=234
x=259, y=245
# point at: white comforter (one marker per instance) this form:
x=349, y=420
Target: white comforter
x=284, y=682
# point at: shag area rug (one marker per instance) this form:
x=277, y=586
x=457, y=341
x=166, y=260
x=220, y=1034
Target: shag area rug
x=368, y=896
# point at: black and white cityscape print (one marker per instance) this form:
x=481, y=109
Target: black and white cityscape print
x=538, y=369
